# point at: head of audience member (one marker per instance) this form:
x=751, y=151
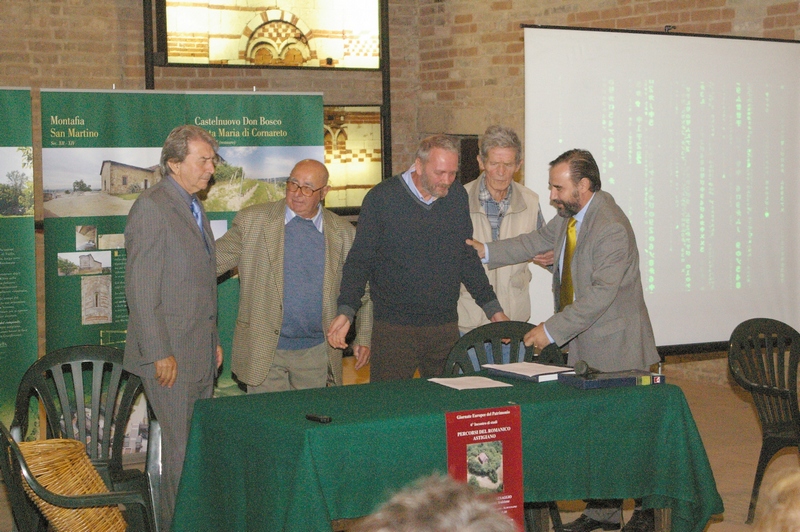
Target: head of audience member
x=438, y=504
x=307, y=187
x=435, y=166
x=499, y=159
x=780, y=509
x=574, y=178
x=190, y=156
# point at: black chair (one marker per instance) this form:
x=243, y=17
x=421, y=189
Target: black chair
x=484, y=345
x=28, y=518
x=763, y=358
x=88, y=396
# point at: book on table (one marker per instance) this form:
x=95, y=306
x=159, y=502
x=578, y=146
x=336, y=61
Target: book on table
x=612, y=379
x=529, y=371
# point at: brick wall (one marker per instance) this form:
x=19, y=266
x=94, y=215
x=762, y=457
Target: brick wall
x=456, y=65
x=471, y=51
x=405, y=81
x=782, y=21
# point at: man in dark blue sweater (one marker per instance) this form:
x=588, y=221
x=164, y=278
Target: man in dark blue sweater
x=410, y=248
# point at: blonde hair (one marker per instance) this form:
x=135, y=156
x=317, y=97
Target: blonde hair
x=781, y=509
x=438, y=504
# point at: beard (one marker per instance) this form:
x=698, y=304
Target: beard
x=568, y=209
x=437, y=191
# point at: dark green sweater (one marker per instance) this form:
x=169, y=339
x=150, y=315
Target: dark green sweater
x=414, y=257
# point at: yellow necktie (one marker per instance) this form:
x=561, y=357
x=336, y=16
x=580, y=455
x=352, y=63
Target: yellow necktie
x=566, y=295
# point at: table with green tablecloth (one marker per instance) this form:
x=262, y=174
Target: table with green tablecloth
x=254, y=463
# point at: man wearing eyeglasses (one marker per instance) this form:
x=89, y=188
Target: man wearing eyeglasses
x=290, y=255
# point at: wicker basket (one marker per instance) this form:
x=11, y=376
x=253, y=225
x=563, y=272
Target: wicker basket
x=63, y=467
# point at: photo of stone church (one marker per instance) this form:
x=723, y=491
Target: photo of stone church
x=121, y=178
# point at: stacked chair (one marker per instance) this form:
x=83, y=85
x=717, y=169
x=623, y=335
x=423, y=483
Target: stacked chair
x=57, y=463
x=87, y=397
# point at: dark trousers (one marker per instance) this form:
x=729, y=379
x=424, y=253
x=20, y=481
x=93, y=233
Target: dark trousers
x=173, y=408
x=609, y=510
x=399, y=350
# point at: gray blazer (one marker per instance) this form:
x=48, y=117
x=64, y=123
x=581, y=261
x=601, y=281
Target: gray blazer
x=255, y=243
x=171, y=286
x=607, y=325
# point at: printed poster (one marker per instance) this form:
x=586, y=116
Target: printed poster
x=101, y=149
x=18, y=334
x=484, y=449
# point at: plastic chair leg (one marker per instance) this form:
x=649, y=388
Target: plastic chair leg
x=153, y=470
x=536, y=516
x=769, y=447
x=555, y=516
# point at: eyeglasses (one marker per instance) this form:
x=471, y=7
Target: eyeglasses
x=305, y=190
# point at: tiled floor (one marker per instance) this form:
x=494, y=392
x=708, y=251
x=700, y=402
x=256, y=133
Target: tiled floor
x=730, y=431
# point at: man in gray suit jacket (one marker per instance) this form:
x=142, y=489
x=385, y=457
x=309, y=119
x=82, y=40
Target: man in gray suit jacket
x=606, y=322
x=171, y=288
x=290, y=255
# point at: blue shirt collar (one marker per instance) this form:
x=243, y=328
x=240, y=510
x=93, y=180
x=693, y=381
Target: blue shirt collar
x=581, y=213
x=317, y=219
x=414, y=190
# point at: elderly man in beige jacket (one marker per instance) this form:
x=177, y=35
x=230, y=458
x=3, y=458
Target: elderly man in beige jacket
x=290, y=255
x=500, y=209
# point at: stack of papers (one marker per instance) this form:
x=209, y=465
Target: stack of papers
x=468, y=383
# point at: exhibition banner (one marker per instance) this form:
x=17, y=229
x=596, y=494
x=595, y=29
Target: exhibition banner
x=18, y=335
x=100, y=149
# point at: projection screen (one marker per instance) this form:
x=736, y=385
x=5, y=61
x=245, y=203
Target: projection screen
x=697, y=139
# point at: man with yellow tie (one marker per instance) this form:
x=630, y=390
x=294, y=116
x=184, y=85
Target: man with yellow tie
x=600, y=311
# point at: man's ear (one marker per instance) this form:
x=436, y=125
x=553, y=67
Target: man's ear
x=173, y=166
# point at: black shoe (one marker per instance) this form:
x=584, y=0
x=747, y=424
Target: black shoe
x=641, y=521
x=587, y=524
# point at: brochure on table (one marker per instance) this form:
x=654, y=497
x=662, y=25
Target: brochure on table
x=484, y=449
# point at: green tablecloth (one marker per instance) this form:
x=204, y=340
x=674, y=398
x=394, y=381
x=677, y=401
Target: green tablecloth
x=255, y=463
